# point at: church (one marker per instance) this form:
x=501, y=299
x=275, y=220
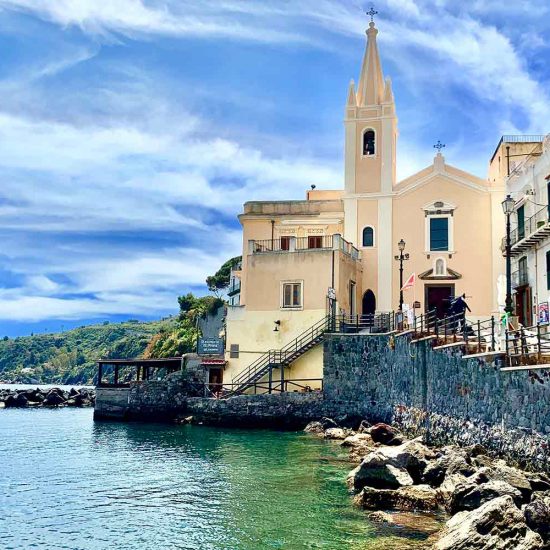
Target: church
x=341, y=247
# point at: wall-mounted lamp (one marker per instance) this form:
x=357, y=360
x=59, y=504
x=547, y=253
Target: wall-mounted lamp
x=277, y=325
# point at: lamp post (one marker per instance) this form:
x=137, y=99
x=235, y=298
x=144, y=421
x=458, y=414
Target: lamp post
x=401, y=258
x=508, y=205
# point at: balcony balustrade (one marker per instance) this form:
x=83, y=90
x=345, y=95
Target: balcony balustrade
x=303, y=244
x=535, y=229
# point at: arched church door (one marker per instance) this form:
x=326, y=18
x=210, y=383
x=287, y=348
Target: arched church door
x=369, y=303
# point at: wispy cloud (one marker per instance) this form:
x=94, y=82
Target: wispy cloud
x=122, y=174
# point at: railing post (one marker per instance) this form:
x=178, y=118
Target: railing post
x=292, y=244
x=539, y=347
x=357, y=323
x=251, y=246
x=282, y=378
x=445, y=327
x=478, y=336
x=493, y=343
x=270, y=377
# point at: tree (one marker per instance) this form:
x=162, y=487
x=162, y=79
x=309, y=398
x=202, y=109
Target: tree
x=220, y=279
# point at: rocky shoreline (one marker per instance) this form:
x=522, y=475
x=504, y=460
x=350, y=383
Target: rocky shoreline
x=482, y=502
x=53, y=397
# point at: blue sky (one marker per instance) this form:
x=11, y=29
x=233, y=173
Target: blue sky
x=132, y=131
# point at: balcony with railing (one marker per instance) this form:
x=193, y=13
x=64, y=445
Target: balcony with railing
x=520, y=278
x=532, y=231
x=234, y=287
x=303, y=244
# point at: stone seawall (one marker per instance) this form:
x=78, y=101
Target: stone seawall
x=436, y=394
x=440, y=395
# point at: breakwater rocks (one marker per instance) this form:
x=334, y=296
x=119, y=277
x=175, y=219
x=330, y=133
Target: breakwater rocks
x=483, y=502
x=53, y=397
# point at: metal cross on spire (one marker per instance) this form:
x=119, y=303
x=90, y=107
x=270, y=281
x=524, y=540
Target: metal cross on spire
x=439, y=146
x=372, y=12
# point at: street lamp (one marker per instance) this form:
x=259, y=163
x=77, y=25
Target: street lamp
x=401, y=258
x=508, y=205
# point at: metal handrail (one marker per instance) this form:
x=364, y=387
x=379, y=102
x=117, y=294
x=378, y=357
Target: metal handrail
x=530, y=225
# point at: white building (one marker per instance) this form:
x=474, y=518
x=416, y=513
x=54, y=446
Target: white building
x=529, y=185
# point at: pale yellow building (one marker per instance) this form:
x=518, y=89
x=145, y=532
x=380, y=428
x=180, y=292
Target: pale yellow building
x=342, y=244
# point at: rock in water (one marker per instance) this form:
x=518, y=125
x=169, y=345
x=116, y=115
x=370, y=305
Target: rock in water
x=378, y=472
x=53, y=399
x=315, y=428
x=417, y=497
x=496, y=525
x=336, y=433
x=384, y=434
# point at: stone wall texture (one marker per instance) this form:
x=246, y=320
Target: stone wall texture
x=438, y=394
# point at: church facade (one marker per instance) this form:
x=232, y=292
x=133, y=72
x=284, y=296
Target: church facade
x=342, y=243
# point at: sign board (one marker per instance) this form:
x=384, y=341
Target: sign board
x=210, y=346
x=543, y=313
x=416, y=305
x=331, y=294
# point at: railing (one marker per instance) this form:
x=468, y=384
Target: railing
x=298, y=385
x=532, y=224
x=527, y=346
x=313, y=242
x=534, y=138
x=300, y=243
x=520, y=278
x=379, y=323
x=234, y=288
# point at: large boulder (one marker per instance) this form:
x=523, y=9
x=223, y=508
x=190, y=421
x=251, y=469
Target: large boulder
x=538, y=481
x=34, y=396
x=53, y=399
x=336, y=433
x=391, y=467
x=375, y=471
x=417, y=497
x=450, y=460
x=385, y=434
x=500, y=471
x=446, y=490
x=358, y=440
x=537, y=515
x=16, y=400
x=496, y=525
x=316, y=428
x=470, y=496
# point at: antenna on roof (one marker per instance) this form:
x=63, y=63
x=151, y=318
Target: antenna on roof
x=313, y=186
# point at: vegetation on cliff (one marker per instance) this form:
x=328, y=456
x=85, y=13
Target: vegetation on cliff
x=69, y=357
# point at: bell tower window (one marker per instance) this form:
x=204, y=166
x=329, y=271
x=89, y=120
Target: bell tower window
x=368, y=236
x=369, y=143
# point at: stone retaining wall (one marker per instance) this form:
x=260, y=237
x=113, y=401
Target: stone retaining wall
x=440, y=395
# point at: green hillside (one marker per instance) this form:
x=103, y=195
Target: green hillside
x=69, y=357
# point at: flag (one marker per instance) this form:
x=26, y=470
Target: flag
x=410, y=282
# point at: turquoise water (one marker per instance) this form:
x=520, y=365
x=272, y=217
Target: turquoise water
x=69, y=483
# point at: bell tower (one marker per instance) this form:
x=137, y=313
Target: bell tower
x=370, y=156
x=371, y=126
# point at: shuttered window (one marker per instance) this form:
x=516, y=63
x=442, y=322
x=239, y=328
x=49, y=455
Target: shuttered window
x=292, y=295
x=439, y=234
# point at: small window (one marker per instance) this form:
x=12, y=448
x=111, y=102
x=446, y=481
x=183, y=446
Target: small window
x=234, y=351
x=440, y=267
x=285, y=243
x=292, y=295
x=369, y=143
x=315, y=241
x=368, y=236
x=439, y=234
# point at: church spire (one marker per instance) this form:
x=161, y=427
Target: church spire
x=370, y=90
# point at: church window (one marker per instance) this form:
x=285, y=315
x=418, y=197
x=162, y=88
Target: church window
x=439, y=234
x=369, y=143
x=368, y=236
